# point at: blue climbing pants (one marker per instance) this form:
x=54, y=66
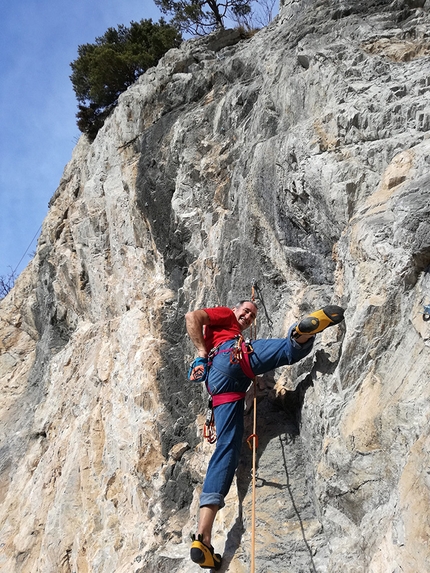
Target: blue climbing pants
x=226, y=377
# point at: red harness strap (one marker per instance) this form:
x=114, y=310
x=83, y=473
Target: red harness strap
x=227, y=397
x=245, y=363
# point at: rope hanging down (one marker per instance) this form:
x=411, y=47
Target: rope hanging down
x=26, y=250
x=254, y=437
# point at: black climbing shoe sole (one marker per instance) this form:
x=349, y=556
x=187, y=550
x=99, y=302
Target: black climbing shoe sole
x=204, y=555
x=320, y=320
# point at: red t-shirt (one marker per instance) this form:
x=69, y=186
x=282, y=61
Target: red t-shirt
x=223, y=326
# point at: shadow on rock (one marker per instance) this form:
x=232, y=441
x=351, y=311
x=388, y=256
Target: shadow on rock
x=278, y=421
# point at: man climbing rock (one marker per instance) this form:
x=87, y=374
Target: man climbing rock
x=227, y=363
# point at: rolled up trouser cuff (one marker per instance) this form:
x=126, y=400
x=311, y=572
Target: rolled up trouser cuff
x=212, y=499
x=294, y=342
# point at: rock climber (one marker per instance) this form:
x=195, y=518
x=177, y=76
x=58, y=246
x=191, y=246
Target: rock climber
x=227, y=363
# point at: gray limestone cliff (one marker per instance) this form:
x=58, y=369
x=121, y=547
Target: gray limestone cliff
x=300, y=159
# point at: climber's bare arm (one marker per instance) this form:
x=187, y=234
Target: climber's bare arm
x=195, y=321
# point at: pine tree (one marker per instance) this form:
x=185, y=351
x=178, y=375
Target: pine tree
x=105, y=69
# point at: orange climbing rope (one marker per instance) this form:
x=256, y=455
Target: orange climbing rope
x=254, y=438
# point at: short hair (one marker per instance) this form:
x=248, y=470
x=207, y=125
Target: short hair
x=237, y=305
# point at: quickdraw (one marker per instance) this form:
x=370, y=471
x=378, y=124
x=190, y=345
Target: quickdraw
x=240, y=349
x=240, y=355
x=250, y=441
x=209, y=430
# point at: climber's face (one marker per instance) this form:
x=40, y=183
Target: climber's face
x=245, y=314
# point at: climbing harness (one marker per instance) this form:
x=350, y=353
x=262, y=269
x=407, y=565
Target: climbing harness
x=239, y=354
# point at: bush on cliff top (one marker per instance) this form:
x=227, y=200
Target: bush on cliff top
x=105, y=69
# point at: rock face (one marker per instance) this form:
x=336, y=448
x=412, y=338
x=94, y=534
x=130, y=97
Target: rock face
x=299, y=159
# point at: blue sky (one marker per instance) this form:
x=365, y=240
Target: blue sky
x=38, y=106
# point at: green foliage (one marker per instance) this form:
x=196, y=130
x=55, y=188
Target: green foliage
x=107, y=68
x=200, y=17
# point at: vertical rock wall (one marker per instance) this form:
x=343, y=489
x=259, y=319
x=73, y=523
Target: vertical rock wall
x=299, y=159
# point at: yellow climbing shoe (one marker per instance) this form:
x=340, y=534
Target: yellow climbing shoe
x=320, y=320
x=204, y=555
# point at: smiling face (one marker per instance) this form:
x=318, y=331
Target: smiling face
x=245, y=314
